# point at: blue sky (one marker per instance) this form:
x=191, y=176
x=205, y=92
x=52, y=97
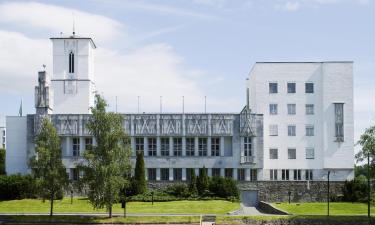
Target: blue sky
x=191, y=48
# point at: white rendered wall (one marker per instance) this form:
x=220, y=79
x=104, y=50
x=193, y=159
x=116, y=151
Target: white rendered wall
x=16, y=145
x=332, y=83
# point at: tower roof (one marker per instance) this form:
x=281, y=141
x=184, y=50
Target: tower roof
x=74, y=37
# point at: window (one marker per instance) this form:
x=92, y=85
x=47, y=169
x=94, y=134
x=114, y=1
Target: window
x=309, y=109
x=309, y=88
x=273, y=153
x=241, y=174
x=189, y=173
x=273, y=88
x=177, y=174
x=309, y=174
x=151, y=174
x=151, y=146
x=177, y=146
x=291, y=87
x=291, y=130
x=291, y=109
x=202, y=146
x=190, y=146
x=75, y=174
x=284, y=174
x=273, y=130
x=164, y=146
x=309, y=130
x=216, y=172
x=228, y=172
x=88, y=143
x=71, y=62
x=247, y=146
x=297, y=174
x=253, y=174
x=273, y=109
x=339, y=121
x=291, y=153
x=76, y=145
x=215, y=146
x=139, y=144
x=273, y=174
x=164, y=174
x=310, y=153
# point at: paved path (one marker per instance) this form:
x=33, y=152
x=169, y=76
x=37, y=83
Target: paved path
x=248, y=211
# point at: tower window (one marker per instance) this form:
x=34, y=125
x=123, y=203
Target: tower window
x=71, y=62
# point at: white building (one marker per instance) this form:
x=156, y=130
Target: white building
x=2, y=137
x=297, y=123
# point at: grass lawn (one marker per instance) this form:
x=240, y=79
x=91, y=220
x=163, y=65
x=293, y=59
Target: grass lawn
x=320, y=208
x=82, y=205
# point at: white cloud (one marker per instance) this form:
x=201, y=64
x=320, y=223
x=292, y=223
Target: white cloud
x=296, y=5
x=292, y=6
x=56, y=19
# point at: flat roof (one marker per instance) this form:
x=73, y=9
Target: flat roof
x=75, y=37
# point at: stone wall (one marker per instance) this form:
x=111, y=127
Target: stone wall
x=297, y=221
x=277, y=191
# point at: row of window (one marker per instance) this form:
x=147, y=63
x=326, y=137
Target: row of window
x=274, y=130
x=309, y=109
x=177, y=173
x=309, y=153
x=77, y=145
x=176, y=144
x=291, y=88
x=297, y=174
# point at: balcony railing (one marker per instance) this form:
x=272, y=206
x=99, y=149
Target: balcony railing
x=247, y=159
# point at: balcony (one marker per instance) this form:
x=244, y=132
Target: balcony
x=247, y=159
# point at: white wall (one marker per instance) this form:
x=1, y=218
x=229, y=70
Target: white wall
x=16, y=145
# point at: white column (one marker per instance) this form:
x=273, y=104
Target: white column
x=221, y=146
x=158, y=151
x=81, y=146
x=196, y=146
x=132, y=142
x=184, y=174
x=183, y=146
x=170, y=146
x=222, y=172
x=196, y=171
x=157, y=173
x=235, y=173
x=145, y=146
x=69, y=147
x=171, y=174
x=247, y=174
x=208, y=146
x=209, y=172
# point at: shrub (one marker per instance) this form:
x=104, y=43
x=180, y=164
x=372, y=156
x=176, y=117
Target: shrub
x=223, y=187
x=139, y=181
x=193, y=184
x=202, y=182
x=2, y=161
x=17, y=187
x=178, y=190
x=355, y=190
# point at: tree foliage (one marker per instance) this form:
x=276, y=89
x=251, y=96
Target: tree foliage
x=355, y=190
x=47, y=165
x=2, y=161
x=139, y=186
x=108, y=161
x=367, y=142
x=17, y=187
x=203, y=181
x=193, y=184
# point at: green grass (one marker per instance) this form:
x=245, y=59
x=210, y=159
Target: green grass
x=96, y=219
x=320, y=208
x=82, y=205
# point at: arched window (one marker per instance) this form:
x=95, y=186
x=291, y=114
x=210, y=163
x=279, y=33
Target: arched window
x=71, y=62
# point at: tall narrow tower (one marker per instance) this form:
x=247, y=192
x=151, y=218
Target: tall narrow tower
x=73, y=74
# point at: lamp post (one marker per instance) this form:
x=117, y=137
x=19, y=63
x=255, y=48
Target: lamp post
x=368, y=186
x=329, y=172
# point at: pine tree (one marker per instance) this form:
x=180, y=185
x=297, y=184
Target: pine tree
x=139, y=175
x=108, y=162
x=193, y=184
x=203, y=181
x=47, y=165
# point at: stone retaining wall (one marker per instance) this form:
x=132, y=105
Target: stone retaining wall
x=297, y=221
x=277, y=191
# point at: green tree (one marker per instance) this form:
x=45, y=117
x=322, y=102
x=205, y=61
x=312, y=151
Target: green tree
x=47, y=165
x=203, y=181
x=2, y=161
x=139, y=175
x=367, y=142
x=107, y=162
x=193, y=184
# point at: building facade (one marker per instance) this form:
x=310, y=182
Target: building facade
x=296, y=125
x=2, y=137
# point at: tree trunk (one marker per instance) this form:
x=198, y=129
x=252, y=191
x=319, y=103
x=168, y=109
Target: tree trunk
x=51, y=211
x=110, y=211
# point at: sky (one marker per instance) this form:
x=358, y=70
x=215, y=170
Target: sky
x=193, y=48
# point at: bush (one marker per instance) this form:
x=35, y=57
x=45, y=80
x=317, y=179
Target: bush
x=17, y=187
x=203, y=182
x=139, y=181
x=178, y=190
x=2, y=161
x=355, y=190
x=223, y=187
